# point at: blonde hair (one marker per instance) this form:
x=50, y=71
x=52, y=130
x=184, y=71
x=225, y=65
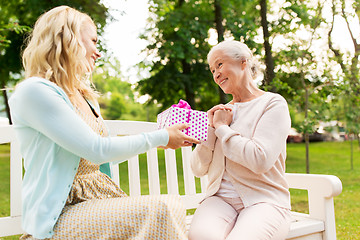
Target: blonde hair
x=238, y=51
x=55, y=52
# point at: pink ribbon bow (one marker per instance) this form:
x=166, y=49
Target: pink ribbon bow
x=182, y=104
x=185, y=105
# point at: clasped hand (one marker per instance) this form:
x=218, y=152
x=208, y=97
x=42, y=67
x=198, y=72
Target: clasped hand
x=220, y=115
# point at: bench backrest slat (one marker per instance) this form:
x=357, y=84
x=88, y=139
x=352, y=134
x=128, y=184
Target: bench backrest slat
x=8, y=136
x=153, y=172
x=189, y=180
x=171, y=172
x=134, y=176
x=15, y=177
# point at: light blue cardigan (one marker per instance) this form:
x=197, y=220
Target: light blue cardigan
x=53, y=138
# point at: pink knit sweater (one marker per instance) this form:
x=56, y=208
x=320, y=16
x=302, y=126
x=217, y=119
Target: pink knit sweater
x=252, y=150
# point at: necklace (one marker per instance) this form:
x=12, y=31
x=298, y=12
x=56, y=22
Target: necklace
x=94, y=120
x=96, y=124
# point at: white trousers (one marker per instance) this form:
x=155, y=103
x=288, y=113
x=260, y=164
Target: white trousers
x=220, y=218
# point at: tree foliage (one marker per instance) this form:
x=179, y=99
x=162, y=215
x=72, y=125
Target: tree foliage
x=180, y=33
x=117, y=97
x=177, y=33
x=348, y=61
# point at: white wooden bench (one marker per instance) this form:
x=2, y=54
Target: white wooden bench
x=318, y=224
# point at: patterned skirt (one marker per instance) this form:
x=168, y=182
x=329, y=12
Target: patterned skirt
x=99, y=209
x=143, y=217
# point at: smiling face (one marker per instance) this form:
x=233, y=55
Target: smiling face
x=227, y=72
x=89, y=40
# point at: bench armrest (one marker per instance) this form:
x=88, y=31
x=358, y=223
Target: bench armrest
x=321, y=190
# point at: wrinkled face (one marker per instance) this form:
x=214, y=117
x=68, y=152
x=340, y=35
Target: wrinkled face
x=227, y=72
x=89, y=40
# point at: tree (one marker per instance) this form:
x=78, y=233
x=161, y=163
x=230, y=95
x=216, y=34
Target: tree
x=348, y=61
x=25, y=14
x=305, y=82
x=117, y=96
x=5, y=28
x=218, y=20
x=269, y=61
x=177, y=34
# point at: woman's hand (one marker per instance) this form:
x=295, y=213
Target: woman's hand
x=179, y=139
x=222, y=117
x=212, y=111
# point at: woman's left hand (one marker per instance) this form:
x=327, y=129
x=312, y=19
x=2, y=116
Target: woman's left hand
x=212, y=111
x=222, y=117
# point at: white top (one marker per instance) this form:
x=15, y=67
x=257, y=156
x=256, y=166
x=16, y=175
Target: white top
x=252, y=150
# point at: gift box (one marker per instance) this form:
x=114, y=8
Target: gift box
x=182, y=113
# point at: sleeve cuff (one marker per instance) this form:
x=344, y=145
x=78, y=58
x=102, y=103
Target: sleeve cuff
x=163, y=137
x=221, y=131
x=158, y=138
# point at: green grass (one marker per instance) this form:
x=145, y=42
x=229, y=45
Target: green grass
x=325, y=158
x=332, y=158
x=4, y=180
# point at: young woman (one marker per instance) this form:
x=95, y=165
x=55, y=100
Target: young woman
x=66, y=149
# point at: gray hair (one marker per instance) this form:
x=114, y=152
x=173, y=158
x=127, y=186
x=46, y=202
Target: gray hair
x=237, y=51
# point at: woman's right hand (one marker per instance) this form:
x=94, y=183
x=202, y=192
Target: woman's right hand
x=179, y=139
x=212, y=111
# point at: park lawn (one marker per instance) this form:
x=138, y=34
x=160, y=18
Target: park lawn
x=325, y=158
x=332, y=158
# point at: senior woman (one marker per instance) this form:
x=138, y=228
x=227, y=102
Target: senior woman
x=244, y=156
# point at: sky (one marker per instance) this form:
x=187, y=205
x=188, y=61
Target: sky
x=122, y=35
